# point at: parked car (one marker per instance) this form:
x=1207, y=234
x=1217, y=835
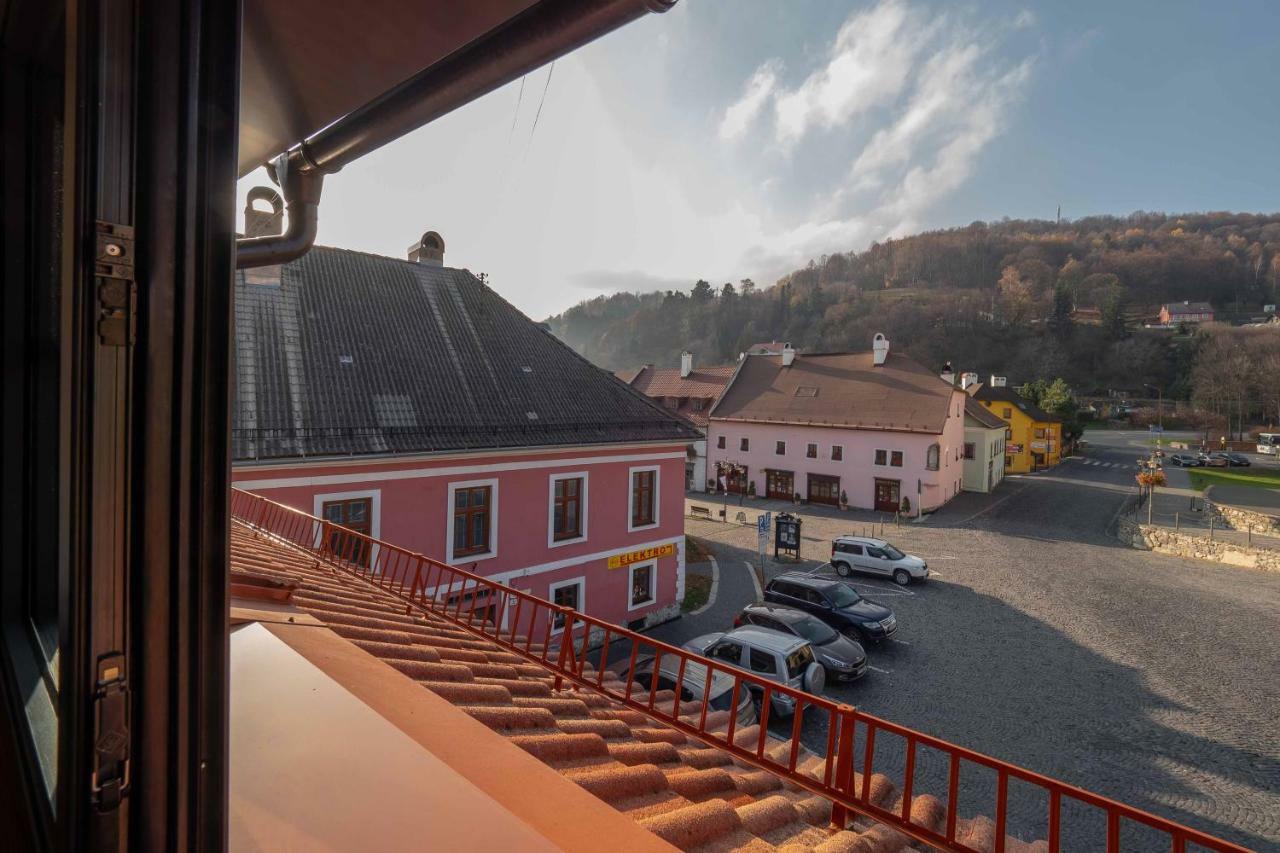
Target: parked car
x=835, y=603
x=842, y=658
x=1217, y=459
x=1186, y=460
x=771, y=655
x=693, y=685
x=851, y=554
x=1235, y=459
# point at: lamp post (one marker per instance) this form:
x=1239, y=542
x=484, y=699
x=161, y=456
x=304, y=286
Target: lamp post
x=727, y=469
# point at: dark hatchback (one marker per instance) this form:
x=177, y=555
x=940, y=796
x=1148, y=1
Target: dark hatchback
x=842, y=658
x=833, y=602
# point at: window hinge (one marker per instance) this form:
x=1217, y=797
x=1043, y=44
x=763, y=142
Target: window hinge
x=110, y=782
x=113, y=271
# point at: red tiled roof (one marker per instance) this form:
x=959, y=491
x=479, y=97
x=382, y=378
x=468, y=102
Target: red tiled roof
x=838, y=390
x=692, y=795
x=695, y=394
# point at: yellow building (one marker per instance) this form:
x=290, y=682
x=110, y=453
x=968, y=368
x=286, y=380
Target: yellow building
x=1033, y=437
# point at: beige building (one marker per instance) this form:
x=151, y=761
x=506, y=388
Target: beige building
x=984, y=437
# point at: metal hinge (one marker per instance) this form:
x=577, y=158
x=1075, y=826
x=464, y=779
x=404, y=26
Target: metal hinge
x=113, y=270
x=110, y=780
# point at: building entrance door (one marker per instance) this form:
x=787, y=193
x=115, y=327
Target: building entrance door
x=780, y=485
x=888, y=495
x=824, y=489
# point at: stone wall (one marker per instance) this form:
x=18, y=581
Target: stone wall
x=1165, y=541
x=1245, y=519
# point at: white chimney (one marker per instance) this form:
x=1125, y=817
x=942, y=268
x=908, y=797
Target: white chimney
x=998, y=381
x=948, y=374
x=686, y=364
x=879, y=349
x=967, y=379
x=788, y=355
x=428, y=251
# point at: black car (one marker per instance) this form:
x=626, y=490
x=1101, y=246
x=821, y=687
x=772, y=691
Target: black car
x=1185, y=460
x=833, y=602
x=1237, y=460
x=842, y=658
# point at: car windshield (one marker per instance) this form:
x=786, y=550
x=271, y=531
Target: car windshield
x=892, y=553
x=814, y=630
x=842, y=596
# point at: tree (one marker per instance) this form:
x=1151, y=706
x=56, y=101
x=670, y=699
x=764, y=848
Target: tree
x=1060, y=315
x=702, y=291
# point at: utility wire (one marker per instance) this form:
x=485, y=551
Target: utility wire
x=516, y=117
x=542, y=100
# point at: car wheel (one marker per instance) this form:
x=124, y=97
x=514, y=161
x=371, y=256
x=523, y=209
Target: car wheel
x=842, y=569
x=901, y=578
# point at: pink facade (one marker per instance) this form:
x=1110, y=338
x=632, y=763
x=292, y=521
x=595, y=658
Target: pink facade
x=867, y=483
x=412, y=501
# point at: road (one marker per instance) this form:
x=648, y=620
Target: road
x=1042, y=641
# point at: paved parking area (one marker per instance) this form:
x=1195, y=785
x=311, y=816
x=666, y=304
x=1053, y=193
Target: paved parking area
x=1042, y=641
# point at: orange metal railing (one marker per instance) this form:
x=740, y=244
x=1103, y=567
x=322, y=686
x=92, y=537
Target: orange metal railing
x=499, y=614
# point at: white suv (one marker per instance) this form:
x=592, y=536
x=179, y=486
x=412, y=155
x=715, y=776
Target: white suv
x=876, y=557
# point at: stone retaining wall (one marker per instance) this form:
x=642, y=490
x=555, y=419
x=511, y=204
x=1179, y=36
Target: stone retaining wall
x=1165, y=541
x=1245, y=519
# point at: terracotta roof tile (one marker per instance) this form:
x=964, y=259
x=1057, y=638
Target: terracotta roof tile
x=693, y=795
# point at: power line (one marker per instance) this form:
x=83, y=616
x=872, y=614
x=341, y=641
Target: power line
x=542, y=100
x=516, y=116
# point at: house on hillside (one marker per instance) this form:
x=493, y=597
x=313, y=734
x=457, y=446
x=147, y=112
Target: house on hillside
x=1033, y=437
x=407, y=400
x=874, y=427
x=984, y=437
x=1173, y=313
x=770, y=348
x=689, y=392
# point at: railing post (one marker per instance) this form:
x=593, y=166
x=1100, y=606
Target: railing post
x=844, y=765
x=566, y=638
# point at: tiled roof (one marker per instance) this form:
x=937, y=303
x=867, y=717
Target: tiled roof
x=838, y=390
x=704, y=385
x=342, y=352
x=982, y=414
x=1189, y=308
x=694, y=796
x=986, y=394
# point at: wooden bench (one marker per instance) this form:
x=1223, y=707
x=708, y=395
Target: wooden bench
x=699, y=511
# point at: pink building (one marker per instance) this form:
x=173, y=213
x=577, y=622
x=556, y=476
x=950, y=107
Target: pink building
x=408, y=401
x=874, y=427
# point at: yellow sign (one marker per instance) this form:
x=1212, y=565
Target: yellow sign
x=617, y=561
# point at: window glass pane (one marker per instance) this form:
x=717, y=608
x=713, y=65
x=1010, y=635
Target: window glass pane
x=763, y=662
x=478, y=537
x=358, y=511
x=459, y=532
x=480, y=496
x=333, y=512
x=460, y=499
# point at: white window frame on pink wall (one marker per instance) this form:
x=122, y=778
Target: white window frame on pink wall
x=657, y=497
x=581, y=582
x=653, y=584
x=583, y=505
x=492, y=483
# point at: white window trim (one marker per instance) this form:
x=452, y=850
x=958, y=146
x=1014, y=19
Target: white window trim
x=653, y=584
x=375, y=510
x=833, y=452
x=552, y=542
x=493, y=521
x=631, y=497
x=581, y=582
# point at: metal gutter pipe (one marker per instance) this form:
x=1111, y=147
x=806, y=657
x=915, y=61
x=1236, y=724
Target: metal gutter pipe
x=531, y=39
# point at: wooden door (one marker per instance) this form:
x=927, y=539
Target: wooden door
x=780, y=485
x=824, y=489
x=888, y=495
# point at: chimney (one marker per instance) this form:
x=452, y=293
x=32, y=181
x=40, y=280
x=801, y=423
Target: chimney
x=263, y=223
x=967, y=379
x=429, y=251
x=948, y=374
x=879, y=349
x=686, y=364
x=788, y=355
x=998, y=381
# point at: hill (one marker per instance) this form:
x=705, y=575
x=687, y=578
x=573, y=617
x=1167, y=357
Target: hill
x=1029, y=298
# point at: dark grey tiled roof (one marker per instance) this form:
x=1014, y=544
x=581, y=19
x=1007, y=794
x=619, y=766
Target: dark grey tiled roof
x=342, y=353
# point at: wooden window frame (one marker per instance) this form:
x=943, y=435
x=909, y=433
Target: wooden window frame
x=655, y=495
x=882, y=457
x=556, y=503
x=837, y=453
x=652, y=565
x=896, y=458
x=452, y=552
x=811, y=450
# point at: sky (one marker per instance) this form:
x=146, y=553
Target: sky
x=731, y=139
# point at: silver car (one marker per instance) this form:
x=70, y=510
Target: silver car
x=851, y=554
x=772, y=655
x=693, y=686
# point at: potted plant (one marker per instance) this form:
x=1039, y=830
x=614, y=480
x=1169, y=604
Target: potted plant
x=711, y=485
x=751, y=489
x=844, y=499
x=906, y=506
x=796, y=498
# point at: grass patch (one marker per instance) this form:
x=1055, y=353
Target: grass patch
x=697, y=589
x=1262, y=478
x=694, y=551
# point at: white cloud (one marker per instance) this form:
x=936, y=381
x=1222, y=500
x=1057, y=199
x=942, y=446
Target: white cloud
x=739, y=115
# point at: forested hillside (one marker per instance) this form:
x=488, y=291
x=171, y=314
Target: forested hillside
x=1032, y=299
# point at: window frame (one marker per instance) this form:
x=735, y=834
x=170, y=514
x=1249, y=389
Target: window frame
x=555, y=586
x=652, y=565
x=779, y=448
x=720, y=442
x=882, y=457
x=933, y=457
x=449, y=550
x=837, y=453
x=896, y=458
x=970, y=450
x=581, y=536
x=744, y=444
x=811, y=450
x=631, y=497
